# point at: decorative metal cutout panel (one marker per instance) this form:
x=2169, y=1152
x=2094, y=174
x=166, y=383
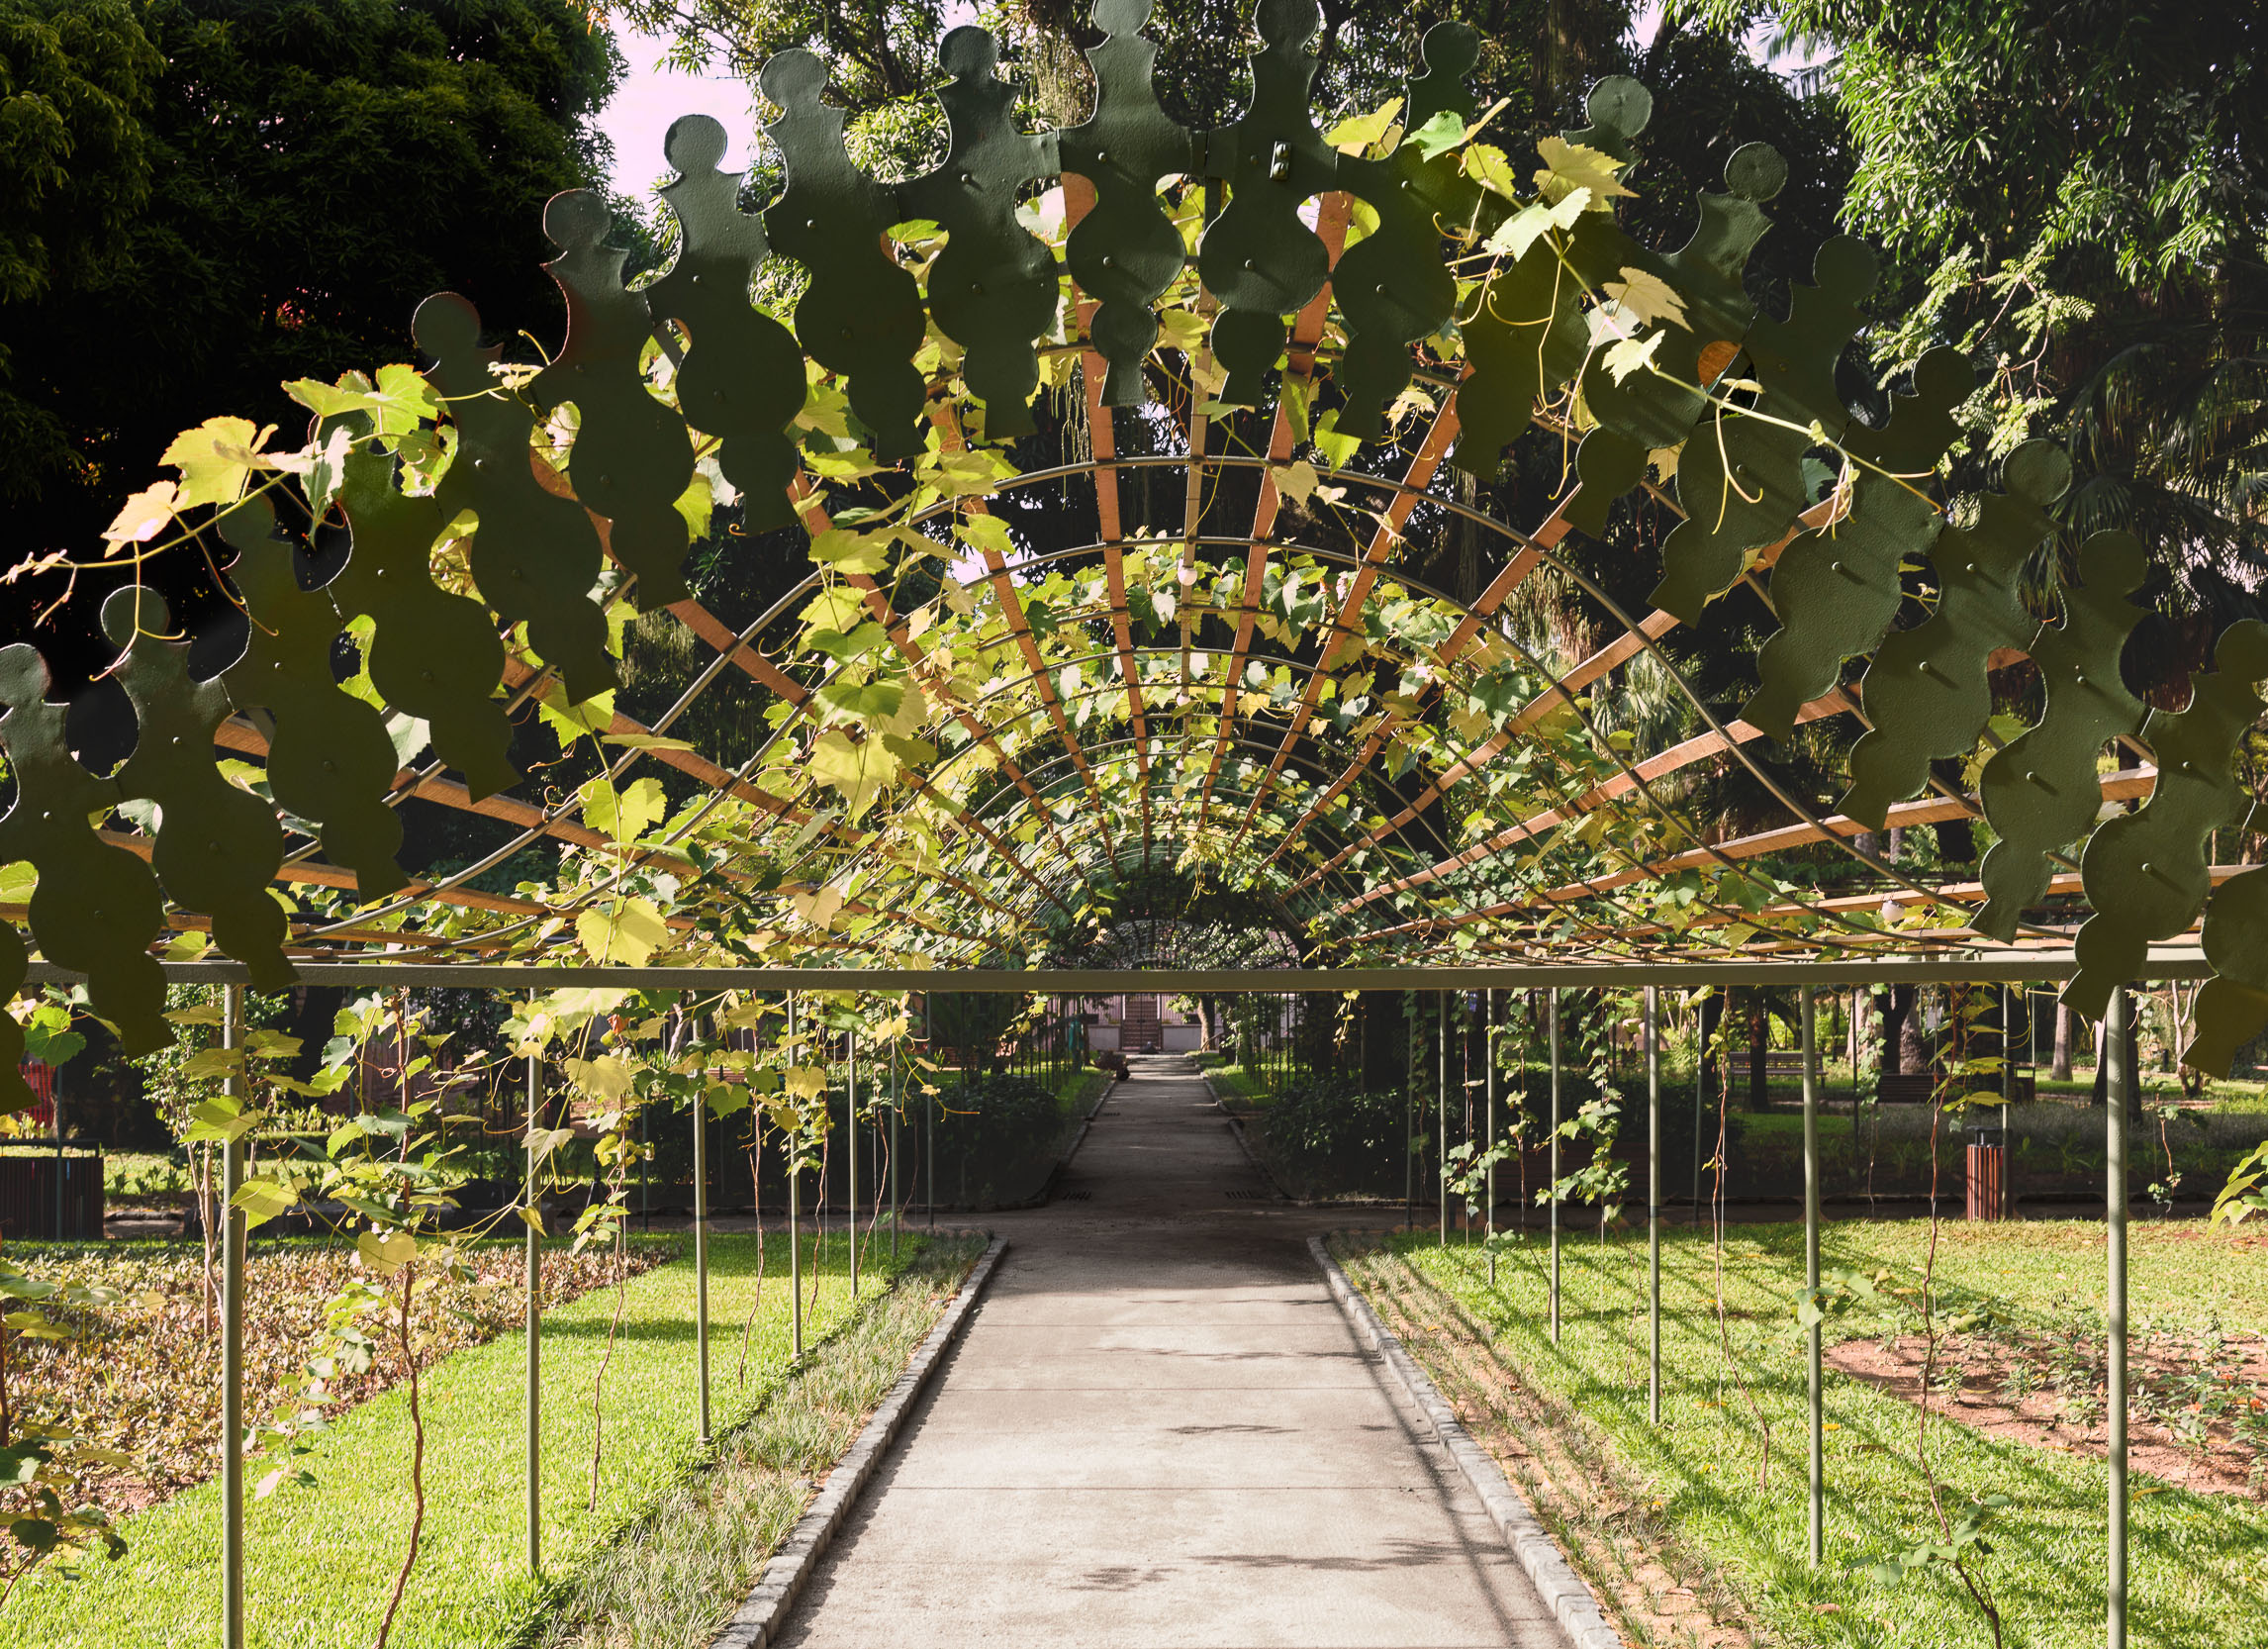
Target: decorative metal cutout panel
x=907, y=801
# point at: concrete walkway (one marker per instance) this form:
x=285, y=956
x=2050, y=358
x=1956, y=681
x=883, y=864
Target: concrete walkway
x=1158, y=1430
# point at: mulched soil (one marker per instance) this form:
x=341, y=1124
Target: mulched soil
x=143, y=1377
x=1974, y=1387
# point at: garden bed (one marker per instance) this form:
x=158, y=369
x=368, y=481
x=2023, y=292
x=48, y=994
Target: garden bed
x=319, y=1560
x=145, y=1378
x=1694, y=1530
x=2197, y=1411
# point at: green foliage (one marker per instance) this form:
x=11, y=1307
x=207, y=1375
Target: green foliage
x=2108, y=271
x=236, y=204
x=482, y=1597
x=1002, y=1126
x=1687, y=1494
x=1328, y=1134
x=76, y=163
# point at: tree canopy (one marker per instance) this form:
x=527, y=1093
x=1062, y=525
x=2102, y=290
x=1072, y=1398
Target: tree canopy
x=203, y=199
x=2075, y=193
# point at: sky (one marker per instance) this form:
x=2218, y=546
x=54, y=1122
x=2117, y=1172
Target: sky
x=652, y=95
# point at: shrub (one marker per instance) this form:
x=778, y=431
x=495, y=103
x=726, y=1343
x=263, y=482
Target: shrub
x=1328, y=1134
x=998, y=1136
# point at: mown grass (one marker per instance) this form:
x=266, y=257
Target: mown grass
x=320, y=1562
x=2200, y=1564
x=673, y=1578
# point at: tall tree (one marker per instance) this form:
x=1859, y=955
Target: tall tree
x=214, y=196
x=2073, y=191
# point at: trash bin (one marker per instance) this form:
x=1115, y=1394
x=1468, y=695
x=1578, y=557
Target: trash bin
x=1988, y=1174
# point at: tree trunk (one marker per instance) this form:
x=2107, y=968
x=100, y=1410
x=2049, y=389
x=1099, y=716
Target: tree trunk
x=2060, y=1068
x=1760, y=1039
x=1913, y=1051
x=1894, y=1006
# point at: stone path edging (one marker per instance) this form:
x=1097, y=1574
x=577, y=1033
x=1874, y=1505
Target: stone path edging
x=1572, y=1603
x=754, y=1623
x=1236, y=1132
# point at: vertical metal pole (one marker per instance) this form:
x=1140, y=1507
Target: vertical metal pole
x=2114, y=1189
x=1811, y=1274
x=1700, y=1064
x=794, y=1217
x=897, y=1181
x=1440, y=1099
x=1488, y=1050
x=232, y=1346
x=1552, y=1008
x=1654, y=1204
x=534, y=1325
x=930, y=1120
x=2007, y=1094
x=1409, y=1117
x=700, y=1251
x=850, y=1140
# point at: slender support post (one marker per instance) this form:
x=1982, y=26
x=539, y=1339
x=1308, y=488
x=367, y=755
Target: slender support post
x=1700, y=1065
x=1654, y=1204
x=2114, y=1141
x=232, y=1346
x=850, y=1141
x=1409, y=1117
x=1488, y=1046
x=700, y=1252
x=2006, y=1093
x=1440, y=1099
x=897, y=1181
x=534, y=1325
x=929, y=1129
x=1811, y=1273
x=1552, y=1008
x=794, y=1220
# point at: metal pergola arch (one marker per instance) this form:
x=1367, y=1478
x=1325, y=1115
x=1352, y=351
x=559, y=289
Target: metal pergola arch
x=2156, y=907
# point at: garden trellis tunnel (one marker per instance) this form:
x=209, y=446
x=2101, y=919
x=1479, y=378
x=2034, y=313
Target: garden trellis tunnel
x=1012, y=719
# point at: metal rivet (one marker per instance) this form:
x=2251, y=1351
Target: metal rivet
x=976, y=289
x=1381, y=289
x=1101, y=156
x=427, y=674
x=330, y=766
x=480, y=463
x=716, y=395
x=969, y=179
x=1250, y=265
x=211, y=847
x=606, y=480
x=1108, y=262
x=696, y=280
x=810, y=223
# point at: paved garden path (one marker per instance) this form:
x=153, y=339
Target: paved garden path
x=1158, y=1430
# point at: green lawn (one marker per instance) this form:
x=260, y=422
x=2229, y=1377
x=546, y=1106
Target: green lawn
x=320, y=1561
x=2200, y=1564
